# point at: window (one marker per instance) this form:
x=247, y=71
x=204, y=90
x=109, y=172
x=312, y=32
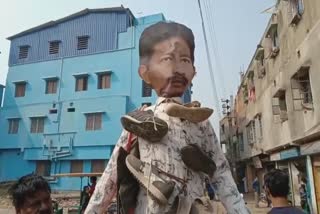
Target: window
x=98, y=166
x=245, y=92
x=258, y=127
x=104, y=80
x=282, y=101
x=301, y=89
x=295, y=11
x=20, y=89
x=251, y=79
x=251, y=132
x=76, y=166
x=146, y=89
x=43, y=167
x=23, y=51
x=71, y=109
x=83, y=42
x=274, y=37
x=275, y=43
x=222, y=128
x=82, y=83
x=279, y=105
x=37, y=124
x=260, y=62
x=51, y=86
x=54, y=47
x=13, y=125
x=53, y=111
x=241, y=144
x=93, y=121
x=252, y=89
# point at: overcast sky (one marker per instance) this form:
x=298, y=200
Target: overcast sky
x=238, y=27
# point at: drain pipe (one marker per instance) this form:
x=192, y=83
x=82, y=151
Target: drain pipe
x=59, y=98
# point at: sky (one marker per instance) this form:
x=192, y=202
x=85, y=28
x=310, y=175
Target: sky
x=234, y=28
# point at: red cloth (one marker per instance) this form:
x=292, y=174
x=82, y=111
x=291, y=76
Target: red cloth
x=131, y=211
x=92, y=188
x=252, y=95
x=131, y=138
x=130, y=141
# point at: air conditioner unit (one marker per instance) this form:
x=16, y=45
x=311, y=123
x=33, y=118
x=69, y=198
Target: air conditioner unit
x=261, y=72
x=275, y=51
x=275, y=18
x=307, y=106
x=295, y=19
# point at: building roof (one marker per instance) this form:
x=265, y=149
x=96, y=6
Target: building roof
x=72, y=16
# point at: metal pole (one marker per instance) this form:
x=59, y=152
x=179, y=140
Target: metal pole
x=81, y=184
x=215, y=94
x=312, y=185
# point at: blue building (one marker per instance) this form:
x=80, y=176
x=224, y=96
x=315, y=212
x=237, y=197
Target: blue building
x=68, y=84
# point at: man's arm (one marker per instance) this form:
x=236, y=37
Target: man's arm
x=106, y=187
x=222, y=179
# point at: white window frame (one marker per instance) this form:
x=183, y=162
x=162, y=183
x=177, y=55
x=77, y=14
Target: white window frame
x=302, y=96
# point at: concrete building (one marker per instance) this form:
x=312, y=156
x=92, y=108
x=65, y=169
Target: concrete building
x=277, y=108
x=68, y=84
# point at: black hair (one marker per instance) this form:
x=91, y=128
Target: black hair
x=26, y=187
x=304, y=179
x=277, y=182
x=161, y=31
x=93, y=179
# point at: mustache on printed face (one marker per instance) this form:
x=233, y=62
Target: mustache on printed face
x=178, y=78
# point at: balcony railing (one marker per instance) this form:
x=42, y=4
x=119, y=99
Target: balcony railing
x=58, y=145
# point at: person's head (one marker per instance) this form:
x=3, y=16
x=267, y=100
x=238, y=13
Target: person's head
x=31, y=194
x=277, y=183
x=166, y=52
x=93, y=179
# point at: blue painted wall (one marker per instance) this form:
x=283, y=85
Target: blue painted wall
x=289, y=153
x=13, y=166
x=112, y=49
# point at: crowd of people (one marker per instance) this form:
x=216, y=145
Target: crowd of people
x=31, y=194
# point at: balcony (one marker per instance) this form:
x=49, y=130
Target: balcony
x=58, y=145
